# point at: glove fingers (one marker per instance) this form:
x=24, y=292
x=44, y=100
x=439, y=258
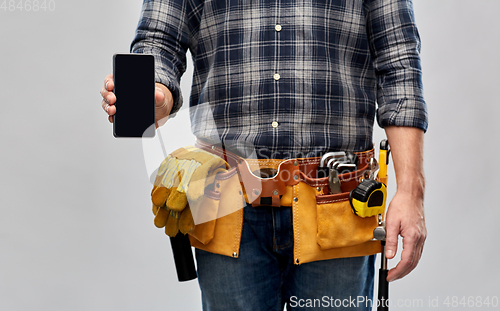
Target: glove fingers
x=159, y=196
x=177, y=200
x=186, y=222
x=161, y=216
x=172, y=226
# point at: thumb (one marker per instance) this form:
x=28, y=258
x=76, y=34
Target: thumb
x=159, y=97
x=391, y=243
x=162, y=108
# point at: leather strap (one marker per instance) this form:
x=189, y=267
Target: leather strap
x=290, y=172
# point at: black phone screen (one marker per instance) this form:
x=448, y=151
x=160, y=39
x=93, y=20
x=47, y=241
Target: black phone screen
x=134, y=79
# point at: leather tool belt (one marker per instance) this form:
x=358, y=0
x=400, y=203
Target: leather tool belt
x=324, y=225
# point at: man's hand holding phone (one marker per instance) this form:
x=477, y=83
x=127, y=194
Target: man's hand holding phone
x=164, y=101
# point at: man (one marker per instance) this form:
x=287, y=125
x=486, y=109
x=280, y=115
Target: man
x=295, y=78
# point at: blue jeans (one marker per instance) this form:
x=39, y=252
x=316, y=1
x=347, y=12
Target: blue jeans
x=264, y=276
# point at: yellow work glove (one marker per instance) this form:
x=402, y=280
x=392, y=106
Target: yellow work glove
x=182, y=178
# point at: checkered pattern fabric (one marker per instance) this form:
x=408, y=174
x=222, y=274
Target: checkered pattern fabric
x=289, y=77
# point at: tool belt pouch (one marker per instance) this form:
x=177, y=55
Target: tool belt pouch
x=218, y=216
x=325, y=226
x=337, y=224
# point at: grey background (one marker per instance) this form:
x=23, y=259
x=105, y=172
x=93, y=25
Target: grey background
x=76, y=229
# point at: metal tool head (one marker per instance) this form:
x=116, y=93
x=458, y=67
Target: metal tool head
x=327, y=156
x=373, y=166
x=334, y=182
x=345, y=168
x=379, y=233
x=334, y=162
x=372, y=169
x=352, y=157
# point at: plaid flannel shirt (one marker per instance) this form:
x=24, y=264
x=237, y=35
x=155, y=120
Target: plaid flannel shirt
x=290, y=78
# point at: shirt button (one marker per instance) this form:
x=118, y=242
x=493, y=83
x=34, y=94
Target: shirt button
x=274, y=124
x=277, y=27
x=277, y=76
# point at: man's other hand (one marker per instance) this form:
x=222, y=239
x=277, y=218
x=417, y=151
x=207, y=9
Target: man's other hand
x=405, y=215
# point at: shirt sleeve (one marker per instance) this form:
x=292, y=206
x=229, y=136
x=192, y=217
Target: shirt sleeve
x=164, y=30
x=395, y=48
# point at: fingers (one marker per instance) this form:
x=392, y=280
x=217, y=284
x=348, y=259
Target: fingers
x=108, y=97
x=413, y=243
x=109, y=82
x=172, y=225
x=161, y=217
x=405, y=217
x=163, y=104
x=391, y=244
x=160, y=195
x=109, y=108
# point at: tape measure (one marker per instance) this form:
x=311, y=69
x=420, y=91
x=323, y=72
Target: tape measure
x=368, y=199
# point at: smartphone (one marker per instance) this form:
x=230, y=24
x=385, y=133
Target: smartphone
x=134, y=78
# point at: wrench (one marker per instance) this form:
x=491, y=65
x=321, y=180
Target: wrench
x=372, y=169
